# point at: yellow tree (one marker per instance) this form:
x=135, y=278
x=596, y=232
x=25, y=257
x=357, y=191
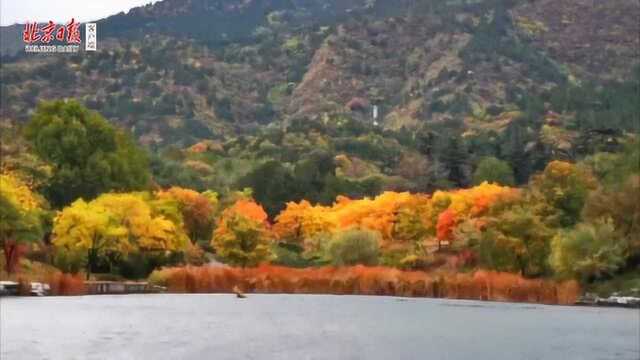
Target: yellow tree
x=412, y=219
x=318, y=220
x=378, y=214
x=21, y=213
x=197, y=210
x=147, y=230
x=289, y=226
x=116, y=223
x=17, y=191
x=92, y=229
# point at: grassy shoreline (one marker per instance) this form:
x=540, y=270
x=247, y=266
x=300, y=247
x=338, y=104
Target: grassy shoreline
x=476, y=284
x=361, y=280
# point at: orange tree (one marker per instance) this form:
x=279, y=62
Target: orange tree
x=452, y=208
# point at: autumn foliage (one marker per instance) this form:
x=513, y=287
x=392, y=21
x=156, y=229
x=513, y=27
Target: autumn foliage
x=197, y=210
x=248, y=209
x=501, y=237
x=468, y=203
x=396, y=216
x=446, y=223
x=361, y=280
x=243, y=236
x=21, y=212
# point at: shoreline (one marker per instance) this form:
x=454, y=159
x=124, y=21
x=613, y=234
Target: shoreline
x=122, y=288
x=480, y=285
x=600, y=304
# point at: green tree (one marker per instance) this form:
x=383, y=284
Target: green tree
x=512, y=238
x=623, y=207
x=273, y=186
x=613, y=169
x=493, y=170
x=355, y=246
x=563, y=188
x=455, y=158
x=589, y=251
x=89, y=156
x=242, y=241
x=515, y=240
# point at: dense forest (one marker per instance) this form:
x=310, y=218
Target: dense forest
x=425, y=136
x=82, y=196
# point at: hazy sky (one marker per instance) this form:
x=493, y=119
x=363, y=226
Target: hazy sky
x=61, y=11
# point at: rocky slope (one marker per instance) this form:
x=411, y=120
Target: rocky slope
x=183, y=70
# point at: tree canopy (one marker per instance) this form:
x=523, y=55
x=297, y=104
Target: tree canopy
x=493, y=170
x=242, y=237
x=21, y=217
x=89, y=155
x=115, y=224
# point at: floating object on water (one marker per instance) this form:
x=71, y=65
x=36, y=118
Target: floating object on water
x=238, y=293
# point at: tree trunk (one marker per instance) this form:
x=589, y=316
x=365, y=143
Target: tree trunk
x=90, y=259
x=10, y=249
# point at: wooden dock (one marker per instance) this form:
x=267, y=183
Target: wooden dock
x=117, y=287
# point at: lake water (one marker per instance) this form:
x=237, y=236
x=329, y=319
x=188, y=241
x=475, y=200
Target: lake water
x=309, y=327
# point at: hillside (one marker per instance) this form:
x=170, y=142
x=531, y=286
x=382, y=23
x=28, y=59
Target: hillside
x=253, y=62
x=593, y=39
x=448, y=137
x=456, y=81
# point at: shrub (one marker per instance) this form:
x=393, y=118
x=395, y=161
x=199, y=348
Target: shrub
x=393, y=257
x=159, y=277
x=355, y=246
x=289, y=255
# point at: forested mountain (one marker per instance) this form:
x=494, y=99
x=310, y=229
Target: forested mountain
x=417, y=134
x=232, y=91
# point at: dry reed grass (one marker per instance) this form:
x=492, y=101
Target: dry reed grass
x=361, y=280
x=66, y=284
